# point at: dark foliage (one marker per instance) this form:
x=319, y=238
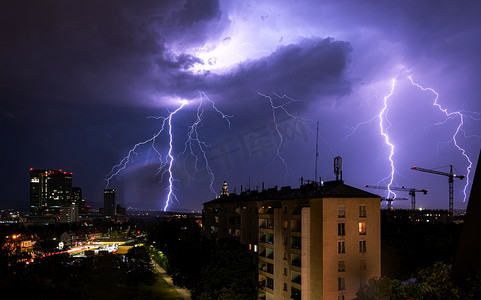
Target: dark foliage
x=434, y=282
x=407, y=246
x=209, y=269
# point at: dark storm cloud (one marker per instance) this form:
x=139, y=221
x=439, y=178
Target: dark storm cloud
x=312, y=69
x=97, y=51
x=302, y=70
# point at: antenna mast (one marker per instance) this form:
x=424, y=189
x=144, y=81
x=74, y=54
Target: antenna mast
x=317, y=150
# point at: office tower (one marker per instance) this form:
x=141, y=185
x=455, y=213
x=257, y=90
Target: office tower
x=77, y=196
x=49, y=190
x=110, y=204
x=314, y=242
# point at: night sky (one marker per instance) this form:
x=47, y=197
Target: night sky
x=80, y=79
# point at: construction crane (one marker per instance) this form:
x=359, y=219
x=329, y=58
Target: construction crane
x=390, y=200
x=412, y=192
x=451, y=177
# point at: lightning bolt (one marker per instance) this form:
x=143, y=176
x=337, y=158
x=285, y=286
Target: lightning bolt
x=168, y=161
x=281, y=107
x=383, y=116
x=193, y=144
x=171, y=195
x=451, y=115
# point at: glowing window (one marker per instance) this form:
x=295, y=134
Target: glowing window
x=362, y=228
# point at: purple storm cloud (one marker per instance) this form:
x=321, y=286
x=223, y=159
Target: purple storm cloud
x=79, y=79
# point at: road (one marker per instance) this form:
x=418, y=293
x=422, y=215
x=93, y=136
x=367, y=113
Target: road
x=182, y=292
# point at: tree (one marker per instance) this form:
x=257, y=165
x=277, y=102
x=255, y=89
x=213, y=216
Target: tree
x=434, y=282
x=139, y=265
x=230, y=273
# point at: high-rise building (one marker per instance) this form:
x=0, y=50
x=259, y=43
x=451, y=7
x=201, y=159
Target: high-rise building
x=77, y=196
x=68, y=213
x=110, y=204
x=314, y=242
x=49, y=190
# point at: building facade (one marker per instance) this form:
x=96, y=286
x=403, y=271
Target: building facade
x=68, y=213
x=314, y=242
x=110, y=204
x=49, y=190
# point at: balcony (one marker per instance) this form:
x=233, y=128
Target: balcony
x=296, y=260
x=266, y=210
x=296, y=242
x=267, y=253
x=267, y=238
x=266, y=223
x=267, y=267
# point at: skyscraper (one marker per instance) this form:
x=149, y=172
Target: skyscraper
x=49, y=190
x=110, y=204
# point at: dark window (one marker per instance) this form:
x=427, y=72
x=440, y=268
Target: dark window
x=341, y=211
x=341, y=265
x=341, y=247
x=341, y=283
x=296, y=242
x=363, y=264
x=341, y=229
x=362, y=211
x=295, y=294
x=270, y=283
x=362, y=246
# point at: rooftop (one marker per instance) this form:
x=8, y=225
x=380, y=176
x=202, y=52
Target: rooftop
x=330, y=189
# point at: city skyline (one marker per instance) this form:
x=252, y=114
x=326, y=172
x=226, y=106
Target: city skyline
x=81, y=83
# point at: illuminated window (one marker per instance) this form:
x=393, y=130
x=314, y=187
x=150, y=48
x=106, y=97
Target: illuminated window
x=362, y=228
x=341, y=211
x=341, y=229
x=341, y=283
x=341, y=265
x=341, y=247
x=362, y=246
x=286, y=224
x=362, y=211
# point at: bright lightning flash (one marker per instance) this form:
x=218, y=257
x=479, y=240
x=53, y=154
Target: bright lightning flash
x=192, y=143
x=382, y=118
x=281, y=107
x=451, y=115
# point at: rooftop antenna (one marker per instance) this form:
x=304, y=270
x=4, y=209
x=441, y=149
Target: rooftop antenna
x=317, y=150
x=338, y=167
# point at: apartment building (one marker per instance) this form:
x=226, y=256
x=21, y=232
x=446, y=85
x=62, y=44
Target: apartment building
x=313, y=242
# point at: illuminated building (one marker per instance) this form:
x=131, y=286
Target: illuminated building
x=68, y=213
x=314, y=242
x=77, y=196
x=110, y=204
x=49, y=190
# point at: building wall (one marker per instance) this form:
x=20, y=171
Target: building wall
x=298, y=243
